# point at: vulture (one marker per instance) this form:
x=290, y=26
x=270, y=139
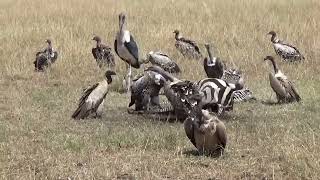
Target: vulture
x=284, y=89
x=213, y=66
x=187, y=48
x=92, y=99
x=207, y=133
x=145, y=91
x=163, y=60
x=102, y=53
x=45, y=57
x=285, y=51
x=126, y=48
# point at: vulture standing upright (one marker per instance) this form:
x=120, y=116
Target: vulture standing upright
x=212, y=65
x=285, y=51
x=187, y=48
x=46, y=57
x=102, y=53
x=280, y=84
x=126, y=48
x=92, y=100
x=163, y=60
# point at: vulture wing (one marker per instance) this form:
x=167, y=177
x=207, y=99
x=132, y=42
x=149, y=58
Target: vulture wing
x=189, y=129
x=193, y=43
x=277, y=85
x=221, y=133
x=289, y=88
x=95, y=53
x=84, y=109
x=40, y=62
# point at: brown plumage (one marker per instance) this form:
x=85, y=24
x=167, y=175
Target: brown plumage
x=92, y=99
x=187, y=48
x=102, y=53
x=208, y=135
x=280, y=84
x=45, y=57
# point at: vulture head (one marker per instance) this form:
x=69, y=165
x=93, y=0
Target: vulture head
x=177, y=34
x=96, y=38
x=48, y=41
x=108, y=75
x=271, y=58
x=273, y=35
x=122, y=20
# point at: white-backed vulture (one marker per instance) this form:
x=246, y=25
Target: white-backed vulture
x=281, y=85
x=92, y=100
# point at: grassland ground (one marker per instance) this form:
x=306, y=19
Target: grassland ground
x=39, y=140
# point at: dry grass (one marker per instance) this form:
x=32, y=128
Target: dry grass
x=38, y=139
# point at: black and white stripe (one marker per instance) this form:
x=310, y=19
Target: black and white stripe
x=217, y=94
x=243, y=95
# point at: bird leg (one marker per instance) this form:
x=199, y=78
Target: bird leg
x=129, y=75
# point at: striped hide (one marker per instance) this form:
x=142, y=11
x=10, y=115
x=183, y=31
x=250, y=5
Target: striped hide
x=243, y=95
x=217, y=94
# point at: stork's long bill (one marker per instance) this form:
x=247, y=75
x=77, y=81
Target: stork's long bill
x=122, y=19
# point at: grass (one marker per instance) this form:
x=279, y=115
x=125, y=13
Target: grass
x=39, y=140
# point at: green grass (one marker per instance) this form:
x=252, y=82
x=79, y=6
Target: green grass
x=39, y=140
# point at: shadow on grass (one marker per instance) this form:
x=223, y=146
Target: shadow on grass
x=193, y=152
x=164, y=117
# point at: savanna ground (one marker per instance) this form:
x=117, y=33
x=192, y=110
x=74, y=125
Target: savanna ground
x=39, y=140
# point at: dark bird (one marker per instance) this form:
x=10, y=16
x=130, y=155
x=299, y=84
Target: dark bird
x=126, y=48
x=45, y=57
x=145, y=91
x=162, y=60
x=92, y=100
x=213, y=66
x=280, y=84
x=102, y=54
x=285, y=51
x=187, y=48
